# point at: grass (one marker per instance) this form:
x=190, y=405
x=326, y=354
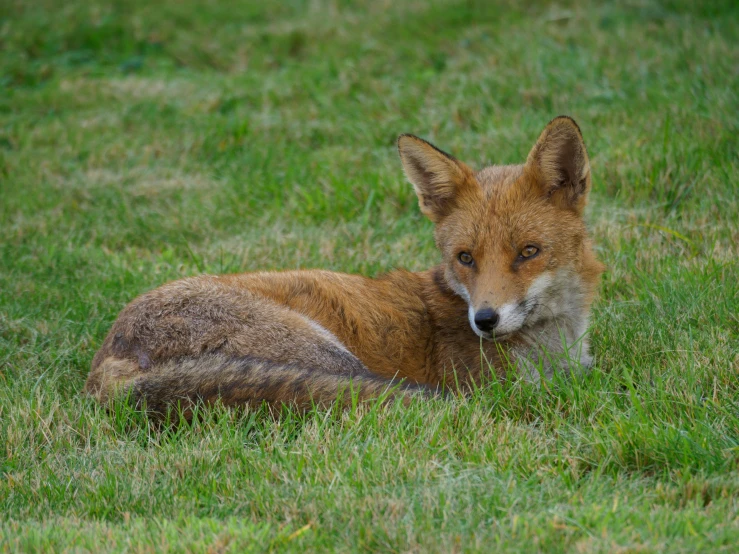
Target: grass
x=146, y=141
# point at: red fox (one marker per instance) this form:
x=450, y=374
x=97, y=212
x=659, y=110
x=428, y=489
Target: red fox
x=513, y=290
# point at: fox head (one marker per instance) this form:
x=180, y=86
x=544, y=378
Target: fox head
x=512, y=238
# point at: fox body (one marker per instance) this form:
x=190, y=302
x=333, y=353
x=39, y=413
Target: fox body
x=513, y=289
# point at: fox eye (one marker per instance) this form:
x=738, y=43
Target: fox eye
x=465, y=258
x=529, y=252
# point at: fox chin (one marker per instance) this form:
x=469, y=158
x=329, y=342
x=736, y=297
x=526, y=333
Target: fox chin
x=513, y=290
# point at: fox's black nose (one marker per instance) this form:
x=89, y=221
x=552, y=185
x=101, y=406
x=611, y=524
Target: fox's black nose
x=486, y=319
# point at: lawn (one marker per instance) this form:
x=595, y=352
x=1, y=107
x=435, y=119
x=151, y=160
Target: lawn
x=142, y=142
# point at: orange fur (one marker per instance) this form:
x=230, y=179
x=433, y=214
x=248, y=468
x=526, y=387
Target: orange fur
x=303, y=336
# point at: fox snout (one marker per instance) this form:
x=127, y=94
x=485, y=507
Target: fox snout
x=486, y=319
x=488, y=322
x=491, y=323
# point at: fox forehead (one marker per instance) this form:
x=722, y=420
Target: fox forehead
x=506, y=213
x=506, y=190
x=508, y=206
x=496, y=179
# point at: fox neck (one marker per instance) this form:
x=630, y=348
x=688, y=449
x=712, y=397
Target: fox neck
x=557, y=342
x=556, y=336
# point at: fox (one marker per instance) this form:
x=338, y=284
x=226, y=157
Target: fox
x=513, y=291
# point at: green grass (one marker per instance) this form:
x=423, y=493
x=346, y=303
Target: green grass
x=146, y=141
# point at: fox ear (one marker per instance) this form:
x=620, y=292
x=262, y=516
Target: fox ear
x=559, y=164
x=438, y=179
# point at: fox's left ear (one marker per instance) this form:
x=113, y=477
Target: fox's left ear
x=559, y=164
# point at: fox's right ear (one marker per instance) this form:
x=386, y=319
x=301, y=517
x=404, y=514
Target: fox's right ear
x=438, y=179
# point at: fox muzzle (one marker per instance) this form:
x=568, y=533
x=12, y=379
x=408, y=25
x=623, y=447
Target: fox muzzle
x=486, y=319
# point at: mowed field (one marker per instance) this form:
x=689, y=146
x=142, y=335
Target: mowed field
x=142, y=142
